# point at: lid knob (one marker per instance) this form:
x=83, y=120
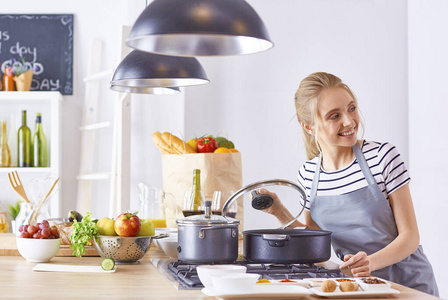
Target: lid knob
x=261, y=201
x=208, y=209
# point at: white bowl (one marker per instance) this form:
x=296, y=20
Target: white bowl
x=38, y=250
x=206, y=271
x=384, y=286
x=165, y=230
x=168, y=245
x=235, y=283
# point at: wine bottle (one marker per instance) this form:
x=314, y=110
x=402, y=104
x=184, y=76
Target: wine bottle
x=39, y=144
x=195, y=200
x=5, y=155
x=24, y=150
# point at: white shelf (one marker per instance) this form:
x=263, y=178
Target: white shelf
x=48, y=104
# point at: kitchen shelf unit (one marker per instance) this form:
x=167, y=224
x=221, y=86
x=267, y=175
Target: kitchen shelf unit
x=48, y=104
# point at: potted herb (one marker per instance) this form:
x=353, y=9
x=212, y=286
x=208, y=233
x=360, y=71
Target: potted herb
x=23, y=73
x=14, y=209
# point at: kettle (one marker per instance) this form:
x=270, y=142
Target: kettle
x=158, y=206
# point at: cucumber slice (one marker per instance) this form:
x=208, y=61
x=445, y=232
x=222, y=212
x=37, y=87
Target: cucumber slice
x=108, y=264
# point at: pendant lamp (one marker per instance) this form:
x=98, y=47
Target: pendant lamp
x=199, y=28
x=146, y=90
x=142, y=71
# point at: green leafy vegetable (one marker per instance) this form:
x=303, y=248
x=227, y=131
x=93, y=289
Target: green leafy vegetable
x=223, y=142
x=83, y=233
x=15, y=209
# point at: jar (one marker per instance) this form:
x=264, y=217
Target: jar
x=26, y=211
x=3, y=222
x=8, y=80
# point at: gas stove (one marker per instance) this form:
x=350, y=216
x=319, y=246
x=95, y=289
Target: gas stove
x=184, y=275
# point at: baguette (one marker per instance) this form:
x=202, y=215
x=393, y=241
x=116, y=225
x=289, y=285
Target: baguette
x=161, y=144
x=178, y=146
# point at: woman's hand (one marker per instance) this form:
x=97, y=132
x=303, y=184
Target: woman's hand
x=277, y=207
x=359, y=264
x=278, y=210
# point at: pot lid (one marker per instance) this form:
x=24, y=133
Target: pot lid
x=208, y=218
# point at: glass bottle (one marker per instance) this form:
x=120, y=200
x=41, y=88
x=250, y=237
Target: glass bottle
x=194, y=199
x=24, y=150
x=39, y=144
x=5, y=154
x=8, y=80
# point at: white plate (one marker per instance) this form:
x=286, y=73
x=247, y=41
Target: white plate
x=357, y=294
x=279, y=282
x=71, y=268
x=315, y=281
x=264, y=291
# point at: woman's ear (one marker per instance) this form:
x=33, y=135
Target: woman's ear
x=308, y=128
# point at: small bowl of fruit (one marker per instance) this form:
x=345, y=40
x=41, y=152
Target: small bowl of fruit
x=39, y=242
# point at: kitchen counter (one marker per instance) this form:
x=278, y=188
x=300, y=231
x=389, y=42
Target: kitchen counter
x=137, y=281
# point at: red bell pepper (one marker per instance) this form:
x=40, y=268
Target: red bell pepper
x=207, y=145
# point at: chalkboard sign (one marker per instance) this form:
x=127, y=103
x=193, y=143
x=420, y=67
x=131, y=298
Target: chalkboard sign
x=43, y=43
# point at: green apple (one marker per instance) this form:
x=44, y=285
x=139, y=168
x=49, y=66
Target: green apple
x=106, y=226
x=147, y=228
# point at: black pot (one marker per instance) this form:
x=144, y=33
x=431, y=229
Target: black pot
x=207, y=238
x=287, y=246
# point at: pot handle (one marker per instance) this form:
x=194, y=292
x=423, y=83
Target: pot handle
x=202, y=230
x=276, y=237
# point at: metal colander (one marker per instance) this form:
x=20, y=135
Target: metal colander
x=124, y=249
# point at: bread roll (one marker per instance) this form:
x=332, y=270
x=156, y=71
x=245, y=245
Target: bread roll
x=348, y=286
x=328, y=286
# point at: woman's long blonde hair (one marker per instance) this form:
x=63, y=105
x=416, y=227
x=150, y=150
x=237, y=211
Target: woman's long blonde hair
x=305, y=101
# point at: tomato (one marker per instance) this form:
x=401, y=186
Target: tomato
x=207, y=145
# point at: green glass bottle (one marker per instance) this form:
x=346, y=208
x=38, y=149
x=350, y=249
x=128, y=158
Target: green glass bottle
x=24, y=150
x=39, y=144
x=194, y=199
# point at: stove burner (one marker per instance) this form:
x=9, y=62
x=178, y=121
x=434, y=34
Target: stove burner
x=188, y=277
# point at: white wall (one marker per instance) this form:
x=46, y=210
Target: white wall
x=251, y=97
x=428, y=97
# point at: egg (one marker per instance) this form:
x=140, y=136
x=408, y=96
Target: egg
x=348, y=286
x=328, y=286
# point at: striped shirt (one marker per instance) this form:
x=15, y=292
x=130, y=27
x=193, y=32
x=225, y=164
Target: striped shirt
x=384, y=162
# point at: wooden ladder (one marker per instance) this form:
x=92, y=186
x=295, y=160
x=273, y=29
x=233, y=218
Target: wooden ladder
x=119, y=175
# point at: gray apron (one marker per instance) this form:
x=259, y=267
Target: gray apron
x=363, y=221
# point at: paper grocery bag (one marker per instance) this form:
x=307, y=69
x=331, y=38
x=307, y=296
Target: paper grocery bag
x=219, y=172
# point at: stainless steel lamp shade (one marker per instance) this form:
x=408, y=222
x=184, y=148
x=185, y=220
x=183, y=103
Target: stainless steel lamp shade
x=146, y=90
x=142, y=70
x=199, y=28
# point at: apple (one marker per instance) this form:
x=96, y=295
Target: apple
x=127, y=224
x=147, y=228
x=106, y=227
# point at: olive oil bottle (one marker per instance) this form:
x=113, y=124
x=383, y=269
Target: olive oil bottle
x=39, y=144
x=24, y=150
x=5, y=154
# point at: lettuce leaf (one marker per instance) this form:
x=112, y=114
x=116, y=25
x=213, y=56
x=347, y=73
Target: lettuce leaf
x=82, y=235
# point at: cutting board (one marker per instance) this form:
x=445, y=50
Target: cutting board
x=8, y=247
x=71, y=268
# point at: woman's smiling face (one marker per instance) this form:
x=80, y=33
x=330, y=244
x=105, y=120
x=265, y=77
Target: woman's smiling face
x=338, y=119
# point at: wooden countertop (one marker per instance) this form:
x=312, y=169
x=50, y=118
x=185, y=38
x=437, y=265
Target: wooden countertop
x=138, y=281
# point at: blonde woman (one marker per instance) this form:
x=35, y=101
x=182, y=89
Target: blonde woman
x=357, y=189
